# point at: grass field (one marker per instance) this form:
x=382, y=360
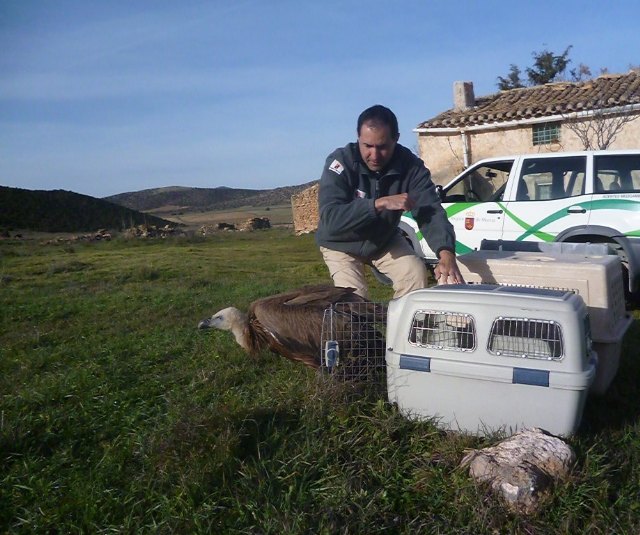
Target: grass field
x=118, y=416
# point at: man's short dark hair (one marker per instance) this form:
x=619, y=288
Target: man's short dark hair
x=381, y=114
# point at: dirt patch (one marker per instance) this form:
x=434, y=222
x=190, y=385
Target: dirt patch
x=279, y=216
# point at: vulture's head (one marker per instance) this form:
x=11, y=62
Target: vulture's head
x=227, y=319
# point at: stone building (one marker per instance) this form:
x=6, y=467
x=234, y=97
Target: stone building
x=305, y=210
x=535, y=119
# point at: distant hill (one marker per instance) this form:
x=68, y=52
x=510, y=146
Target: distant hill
x=221, y=198
x=66, y=211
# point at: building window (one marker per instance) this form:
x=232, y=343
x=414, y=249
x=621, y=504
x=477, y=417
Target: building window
x=546, y=133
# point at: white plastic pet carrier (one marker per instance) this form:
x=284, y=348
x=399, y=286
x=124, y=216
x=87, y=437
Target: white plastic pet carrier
x=596, y=278
x=485, y=358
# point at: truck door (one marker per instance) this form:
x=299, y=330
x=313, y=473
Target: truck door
x=547, y=198
x=472, y=204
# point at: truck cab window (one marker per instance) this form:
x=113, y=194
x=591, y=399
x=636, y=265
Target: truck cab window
x=552, y=178
x=618, y=173
x=480, y=184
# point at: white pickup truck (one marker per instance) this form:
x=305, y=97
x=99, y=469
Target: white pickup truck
x=579, y=197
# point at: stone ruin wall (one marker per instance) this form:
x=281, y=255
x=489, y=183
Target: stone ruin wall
x=305, y=210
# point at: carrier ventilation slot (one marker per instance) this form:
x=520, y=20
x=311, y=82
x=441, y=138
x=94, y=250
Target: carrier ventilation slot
x=519, y=285
x=526, y=338
x=443, y=330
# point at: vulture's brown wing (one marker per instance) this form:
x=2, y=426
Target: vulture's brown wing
x=292, y=331
x=265, y=337
x=320, y=296
x=290, y=323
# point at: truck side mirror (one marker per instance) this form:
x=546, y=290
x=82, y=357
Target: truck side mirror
x=440, y=192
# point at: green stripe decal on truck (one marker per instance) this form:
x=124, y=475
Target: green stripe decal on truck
x=535, y=229
x=461, y=248
x=602, y=204
x=543, y=236
x=460, y=207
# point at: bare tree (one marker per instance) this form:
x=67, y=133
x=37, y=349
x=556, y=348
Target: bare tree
x=581, y=73
x=598, y=128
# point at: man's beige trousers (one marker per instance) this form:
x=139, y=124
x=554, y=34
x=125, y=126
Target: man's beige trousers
x=399, y=263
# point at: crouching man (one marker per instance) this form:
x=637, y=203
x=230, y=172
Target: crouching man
x=364, y=189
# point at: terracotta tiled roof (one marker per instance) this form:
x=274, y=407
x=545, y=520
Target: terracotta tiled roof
x=544, y=100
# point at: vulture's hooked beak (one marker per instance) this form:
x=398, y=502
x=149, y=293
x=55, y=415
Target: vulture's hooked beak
x=205, y=324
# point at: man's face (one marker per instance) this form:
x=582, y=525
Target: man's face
x=376, y=145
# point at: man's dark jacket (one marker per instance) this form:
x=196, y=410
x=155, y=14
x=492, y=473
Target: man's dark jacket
x=348, y=189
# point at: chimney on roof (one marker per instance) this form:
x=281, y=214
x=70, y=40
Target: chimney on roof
x=463, y=97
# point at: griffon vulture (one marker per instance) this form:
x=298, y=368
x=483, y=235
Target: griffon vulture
x=290, y=324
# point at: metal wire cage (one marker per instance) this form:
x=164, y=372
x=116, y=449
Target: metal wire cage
x=353, y=342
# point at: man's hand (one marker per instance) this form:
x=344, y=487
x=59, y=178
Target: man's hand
x=447, y=271
x=401, y=201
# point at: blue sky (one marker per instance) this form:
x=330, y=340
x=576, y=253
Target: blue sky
x=104, y=97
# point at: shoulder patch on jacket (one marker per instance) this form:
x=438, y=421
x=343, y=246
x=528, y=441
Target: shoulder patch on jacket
x=336, y=167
